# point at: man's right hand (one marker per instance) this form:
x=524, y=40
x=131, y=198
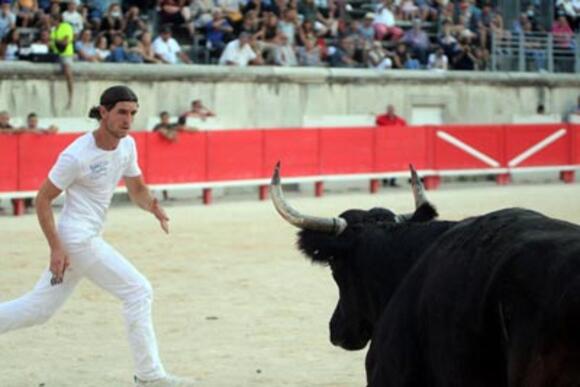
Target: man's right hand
x=59, y=262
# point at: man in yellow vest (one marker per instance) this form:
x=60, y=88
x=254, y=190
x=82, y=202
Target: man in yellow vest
x=62, y=43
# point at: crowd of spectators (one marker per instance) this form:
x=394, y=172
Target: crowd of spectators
x=384, y=34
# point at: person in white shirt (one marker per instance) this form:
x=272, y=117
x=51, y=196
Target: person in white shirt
x=73, y=17
x=238, y=52
x=89, y=170
x=167, y=49
x=438, y=60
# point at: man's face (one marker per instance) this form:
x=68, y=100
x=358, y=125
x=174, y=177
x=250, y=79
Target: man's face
x=390, y=110
x=5, y=8
x=119, y=119
x=4, y=119
x=165, y=35
x=32, y=122
x=165, y=119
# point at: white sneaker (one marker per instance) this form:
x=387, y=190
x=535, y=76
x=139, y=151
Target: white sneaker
x=167, y=381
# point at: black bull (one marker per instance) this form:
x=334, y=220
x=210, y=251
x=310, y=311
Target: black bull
x=492, y=300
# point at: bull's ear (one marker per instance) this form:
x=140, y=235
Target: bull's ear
x=424, y=213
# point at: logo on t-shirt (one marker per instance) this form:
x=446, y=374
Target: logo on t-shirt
x=98, y=169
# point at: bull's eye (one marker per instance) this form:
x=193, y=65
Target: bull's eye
x=316, y=252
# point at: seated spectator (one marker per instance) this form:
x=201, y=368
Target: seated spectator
x=309, y=54
x=10, y=47
x=378, y=57
x=134, y=25
x=409, y=10
x=343, y=54
x=464, y=58
x=174, y=13
x=145, y=48
x=198, y=110
x=201, y=12
x=7, y=18
x=85, y=47
x=239, y=52
x=308, y=11
x=250, y=24
x=289, y=24
x=447, y=41
x=167, y=49
x=400, y=56
x=73, y=17
x=384, y=22
x=216, y=32
x=438, y=60
x=113, y=22
x=32, y=126
x=40, y=48
x=418, y=41
x=267, y=36
x=102, y=48
x=119, y=51
x=366, y=32
x=5, y=126
x=232, y=10
x=27, y=13
x=284, y=54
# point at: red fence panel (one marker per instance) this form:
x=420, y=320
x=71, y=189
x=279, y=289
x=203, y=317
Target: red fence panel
x=183, y=161
x=344, y=151
x=37, y=153
x=468, y=147
x=538, y=145
x=141, y=139
x=575, y=148
x=296, y=149
x=234, y=155
x=8, y=162
x=397, y=146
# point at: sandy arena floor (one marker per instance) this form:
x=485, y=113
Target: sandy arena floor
x=236, y=305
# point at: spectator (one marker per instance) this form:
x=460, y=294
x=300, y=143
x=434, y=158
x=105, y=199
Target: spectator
x=289, y=25
x=216, y=32
x=73, y=17
x=119, y=53
x=570, y=10
x=384, y=22
x=390, y=118
x=113, y=22
x=307, y=9
x=365, y=31
x=102, y=48
x=85, y=47
x=32, y=126
x=418, y=41
x=448, y=41
x=198, y=110
x=409, y=10
x=165, y=128
x=134, y=25
x=378, y=58
x=284, y=54
x=438, y=60
x=175, y=14
x=563, y=34
x=5, y=126
x=10, y=49
x=201, y=12
x=145, y=48
x=167, y=49
x=40, y=48
x=343, y=54
x=400, y=56
x=239, y=53
x=26, y=12
x=7, y=18
x=309, y=54
x=62, y=37
x=464, y=58
x=231, y=10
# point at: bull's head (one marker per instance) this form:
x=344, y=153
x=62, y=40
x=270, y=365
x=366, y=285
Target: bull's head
x=362, y=250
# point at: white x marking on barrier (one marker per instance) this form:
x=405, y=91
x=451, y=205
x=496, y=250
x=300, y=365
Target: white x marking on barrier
x=536, y=148
x=467, y=148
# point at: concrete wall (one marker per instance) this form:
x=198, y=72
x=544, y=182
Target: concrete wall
x=276, y=97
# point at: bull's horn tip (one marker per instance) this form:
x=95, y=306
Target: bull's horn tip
x=276, y=175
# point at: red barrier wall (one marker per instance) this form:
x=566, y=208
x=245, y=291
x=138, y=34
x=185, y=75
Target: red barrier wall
x=25, y=159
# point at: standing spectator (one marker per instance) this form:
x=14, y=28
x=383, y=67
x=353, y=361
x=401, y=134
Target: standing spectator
x=73, y=17
x=167, y=49
x=85, y=47
x=10, y=48
x=113, y=22
x=239, y=52
x=418, y=41
x=563, y=34
x=32, y=126
x=134, y=25
x=309, y=54
x=284, y=54
x=5, y=126
x=165, y=128
x=102, y=48
x=216, y=32
x=438, y=60
x=384, y=22
x=569, y=10
x=198, y=110
x=7, y=18
x=62, y=37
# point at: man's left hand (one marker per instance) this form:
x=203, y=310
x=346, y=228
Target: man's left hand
x=160, y=214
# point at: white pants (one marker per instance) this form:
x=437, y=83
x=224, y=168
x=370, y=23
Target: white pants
x=107, y=268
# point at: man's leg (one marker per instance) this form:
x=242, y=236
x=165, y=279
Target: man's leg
x=115, y=274
x=38, y=305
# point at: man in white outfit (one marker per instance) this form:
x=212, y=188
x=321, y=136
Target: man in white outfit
x=89, y=170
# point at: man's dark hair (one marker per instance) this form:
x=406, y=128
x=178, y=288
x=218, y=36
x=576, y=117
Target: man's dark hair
x=163, y=113
x=31, y=115
x=110, y=97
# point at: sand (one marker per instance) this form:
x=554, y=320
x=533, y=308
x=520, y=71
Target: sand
x=235, y=303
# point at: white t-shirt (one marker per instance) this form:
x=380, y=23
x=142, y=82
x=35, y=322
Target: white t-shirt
x=89, y=176
x=240, y=56
x=167, y=50
x=75, y=19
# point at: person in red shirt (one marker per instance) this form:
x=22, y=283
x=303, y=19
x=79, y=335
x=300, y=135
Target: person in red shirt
x=390, y=118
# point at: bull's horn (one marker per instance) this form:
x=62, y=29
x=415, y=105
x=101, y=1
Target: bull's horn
x=418, y=190
x=330, y=225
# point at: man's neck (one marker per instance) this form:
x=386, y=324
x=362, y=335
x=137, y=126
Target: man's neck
x=105, y=140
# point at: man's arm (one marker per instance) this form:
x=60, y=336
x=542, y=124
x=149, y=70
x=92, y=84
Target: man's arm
x=59, y=260
x=140, y=195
